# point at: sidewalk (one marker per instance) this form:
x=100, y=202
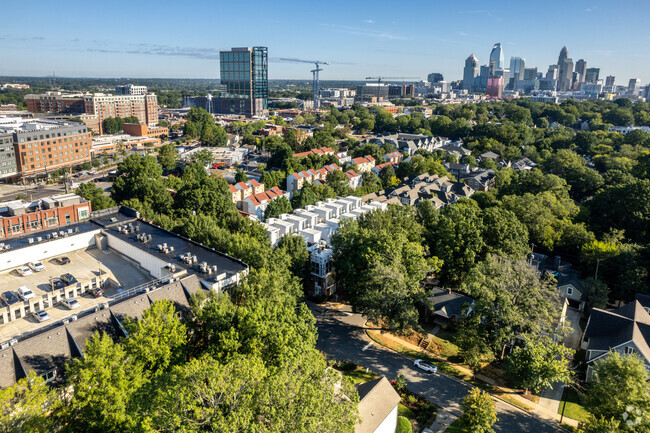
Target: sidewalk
x=540, y=410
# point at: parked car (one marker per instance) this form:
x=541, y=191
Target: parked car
x=68, y=279
x=42, y=316
x=25, y=293
x=24, y=270
x=429, y=368
x=62, y=260
x=36, y=266
x=97, y=292
x=71, y=303
x=56, y=284
x=9, y=297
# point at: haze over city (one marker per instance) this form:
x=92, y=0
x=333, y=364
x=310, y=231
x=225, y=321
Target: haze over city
x=412, y=38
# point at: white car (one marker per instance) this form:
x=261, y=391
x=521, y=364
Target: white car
x=24, y=270
x=71, y=303
x=36, y=266
x=42, y=316
x=25, y=293
x=429, y=368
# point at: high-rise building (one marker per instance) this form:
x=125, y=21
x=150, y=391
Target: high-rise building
x=470, y=72
x=495, y=87
x=96, y=107
x=517, y=67
x=633, y=86
x=647, y=93
x=592, y=74
x=552, y=72
x=435, y=77
x=565, y=70
x=581, y=71
x=609, y=81
x=244, y=72
x=483, y=77
x=496, y=58
x=530, y=74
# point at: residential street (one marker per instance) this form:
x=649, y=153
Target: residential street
x=341, y=337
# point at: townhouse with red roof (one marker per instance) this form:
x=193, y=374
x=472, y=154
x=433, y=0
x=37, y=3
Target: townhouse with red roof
x=296, y=181
x=256, y=204
x=242, y=190
x=364, y=163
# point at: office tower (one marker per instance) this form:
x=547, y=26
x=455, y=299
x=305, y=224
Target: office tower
x=647, y=93
x=517, y=67
x=495, y=87
x=530, y=74
x=565, y=70
x=633, y=86
x=435, y=77
x=609, y=81
x=581, y=69
x=496, y=59
x=483, y=77
x=552, y=72
x=470, y=72
x=591, y=76
x=244, y=72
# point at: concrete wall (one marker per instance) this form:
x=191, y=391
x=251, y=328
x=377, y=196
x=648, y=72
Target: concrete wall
x=13, y=258
x=148, y=262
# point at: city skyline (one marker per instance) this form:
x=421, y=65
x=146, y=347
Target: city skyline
x=162, y=42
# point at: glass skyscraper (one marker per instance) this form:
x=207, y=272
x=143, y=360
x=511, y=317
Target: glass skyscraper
x=244, y=73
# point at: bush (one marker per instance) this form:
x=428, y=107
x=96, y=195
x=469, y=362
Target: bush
x=400, y=383
x=345, y=366
x=404, y=425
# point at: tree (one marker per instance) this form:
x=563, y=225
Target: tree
x=240, y=176
x=203, y=194
x=203, y=157
x=141, y=178
x=104, y=383
x=380, y=260
x=511, y=300
x=277, y=207
x=503, y=233
x=479, y=411
x=404, y=425
x=539, y=363
x=156, y=340
x=618, y=381
x=96, y=195
x=167, y=156
x=27, y=405
x=295, y=248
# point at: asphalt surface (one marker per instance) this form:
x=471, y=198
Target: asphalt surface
x=340, y=336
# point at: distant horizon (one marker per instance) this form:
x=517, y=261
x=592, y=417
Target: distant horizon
x=358, y=39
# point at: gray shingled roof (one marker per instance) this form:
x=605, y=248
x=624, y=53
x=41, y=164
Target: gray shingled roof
x=448, y=305
x=377, y=399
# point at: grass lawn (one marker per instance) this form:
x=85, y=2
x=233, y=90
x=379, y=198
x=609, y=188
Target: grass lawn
x=405, y=412
x=443, y=347
x=360, y=375
x=456, y=427
x=574, y=408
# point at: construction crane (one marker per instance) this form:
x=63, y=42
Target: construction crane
x=390, y=78
x=314, y=73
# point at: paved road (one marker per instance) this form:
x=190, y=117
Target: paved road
x=341, y=337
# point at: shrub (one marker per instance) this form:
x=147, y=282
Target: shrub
x=404, y=425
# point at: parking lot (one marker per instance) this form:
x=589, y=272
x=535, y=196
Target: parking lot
x=84, y=265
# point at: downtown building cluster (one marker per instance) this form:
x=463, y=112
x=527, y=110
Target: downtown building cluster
x=564, y=76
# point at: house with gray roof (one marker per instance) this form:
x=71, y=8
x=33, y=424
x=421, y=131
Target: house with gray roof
x=378, y=403
x=447, y=305
x=625, y=330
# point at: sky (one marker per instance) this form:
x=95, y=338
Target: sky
x=175, y=39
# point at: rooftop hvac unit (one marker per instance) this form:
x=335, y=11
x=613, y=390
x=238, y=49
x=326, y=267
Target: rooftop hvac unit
x=4, y=345
x=66, y=321
x=39, y=239
x=13, y=341
x=103, y=305
x=30, y=240
x=73, y=317
x=76, y=229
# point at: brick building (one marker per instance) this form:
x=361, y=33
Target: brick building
x=42, y=145
x=142, y=130
x=20, y=217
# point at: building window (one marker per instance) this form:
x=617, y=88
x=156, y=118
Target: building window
x=49, y=376
x=16, y=228
x=629, y=350
x=569, y=291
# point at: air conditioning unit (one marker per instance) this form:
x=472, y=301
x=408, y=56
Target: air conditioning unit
x=66, y=321
x=13, y=341
x=4, y=345
x=73, y=317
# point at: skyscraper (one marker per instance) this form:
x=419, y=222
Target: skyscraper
x=581, y=70
x=530, y=74
x=592, y=74
x=496, y=59
x=517, y=67
x=609, y=81
x=495, y=87
x=633, y=86
x=435, y=77
x=552, y=72
x=470, y=72
x=244, y=72
x=565, y=70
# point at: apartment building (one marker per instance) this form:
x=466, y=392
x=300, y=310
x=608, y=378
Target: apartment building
x=8, y=166
x=296, y=181
x=43, y=145
x=242, y=190
x=364, y=163
x=143, y=130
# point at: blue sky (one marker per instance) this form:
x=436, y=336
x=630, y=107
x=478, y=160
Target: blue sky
x=359, y=38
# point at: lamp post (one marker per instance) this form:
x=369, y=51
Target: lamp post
x=564, y=387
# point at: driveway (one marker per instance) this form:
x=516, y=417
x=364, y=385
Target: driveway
x=341, y=336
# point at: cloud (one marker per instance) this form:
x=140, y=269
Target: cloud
x=479, y=11
x=462, y=33
x=364, y=32
x=368, y=21
x=588, y=10
x=164, y=50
